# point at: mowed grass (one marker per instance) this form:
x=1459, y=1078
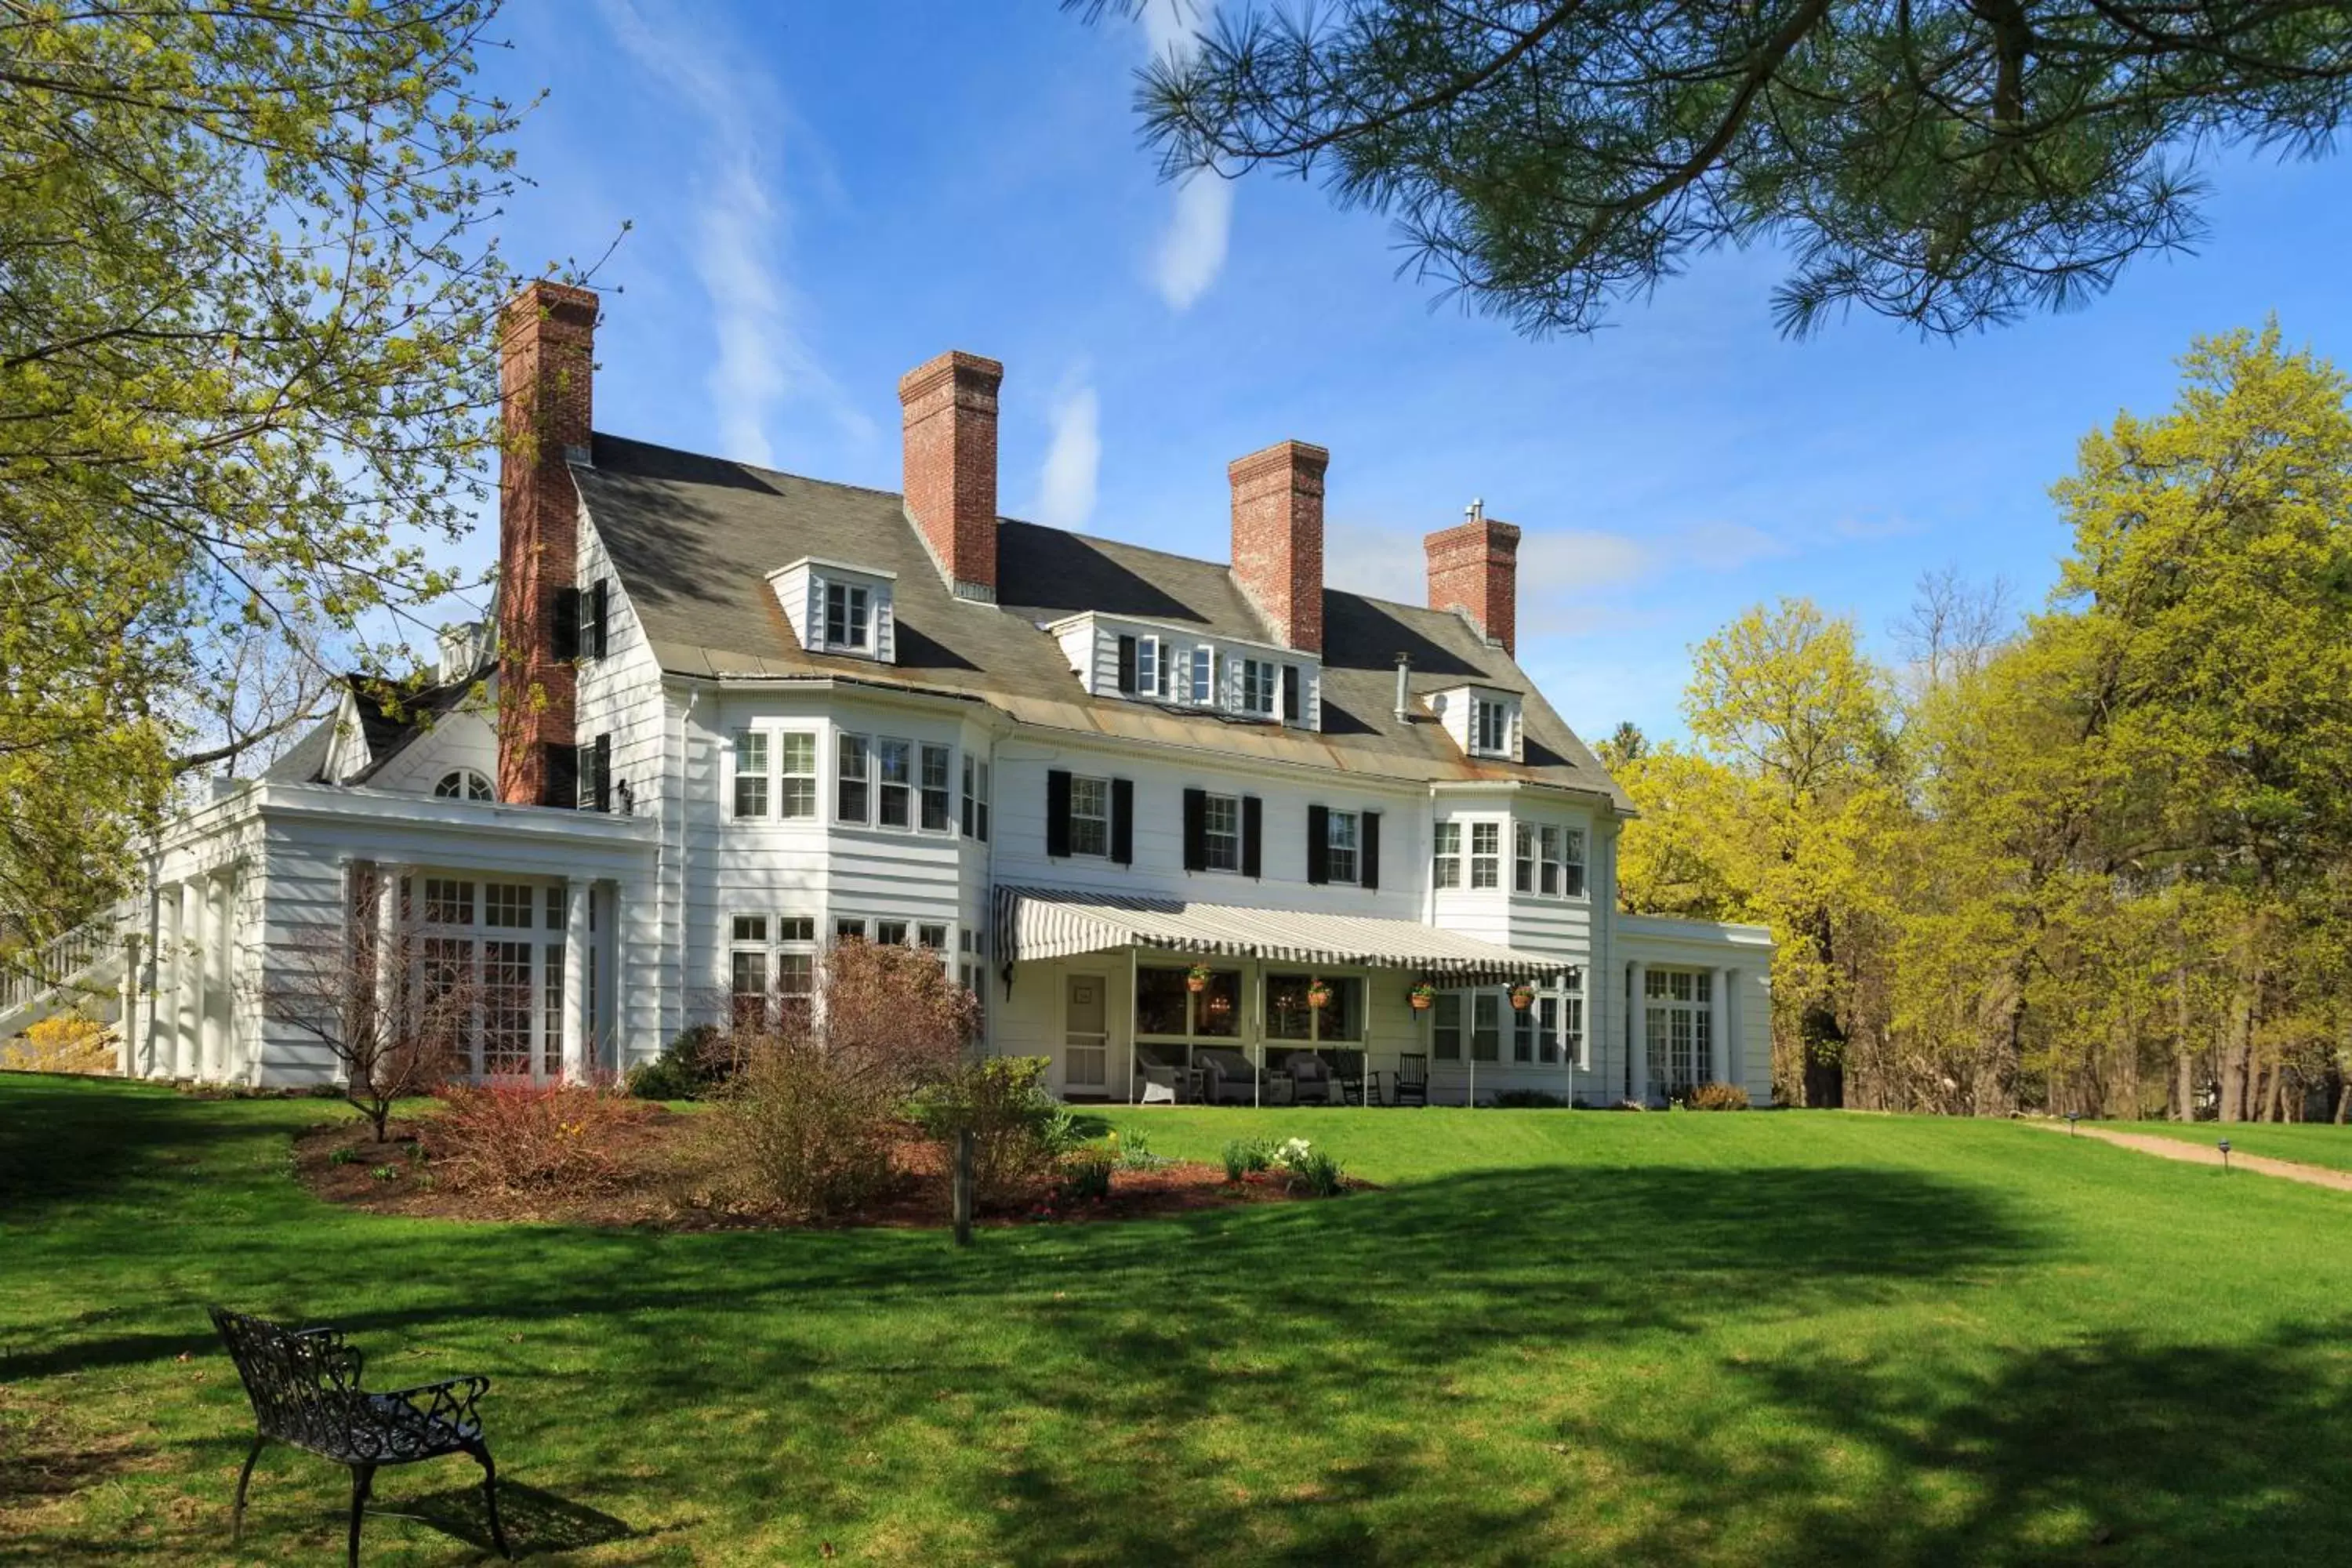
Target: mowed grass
x=1553, y=1337
x=2307, y=1143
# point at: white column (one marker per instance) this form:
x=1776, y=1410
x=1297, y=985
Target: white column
x=1718, y=1035
x=574, y=1022
x=629, y=900
x=126, y=1017
x=1735, y=1063
x=213, y=956
x=189, y=961
x=163, y=1003
x=1637, y=1030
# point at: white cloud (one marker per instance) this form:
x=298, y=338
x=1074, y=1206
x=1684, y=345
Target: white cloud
x=740, y=224
x=1727, y=546
x=1191, y=248
x=1557, y=566
x=1066, y=485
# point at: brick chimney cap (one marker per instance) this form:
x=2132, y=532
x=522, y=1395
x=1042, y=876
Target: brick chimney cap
x=566, y=302
x=1489, y=532
x=954, y=364
x=1281, y=455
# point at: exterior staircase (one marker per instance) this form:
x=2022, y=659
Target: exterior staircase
x=79, y=971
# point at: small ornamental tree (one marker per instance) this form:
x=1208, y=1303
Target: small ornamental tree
x=395, y=1011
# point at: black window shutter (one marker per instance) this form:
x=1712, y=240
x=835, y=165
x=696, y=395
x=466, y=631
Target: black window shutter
x=603, y=772
x=1290, y=693
x=1122, y=821
x=563, y=625
x=598, y=597
x=1057, y=812
x=560, y=774
x=1318, y=842
x=1252, y=818
x=1126, y=663
x=1369, y=855
x=1196, y=830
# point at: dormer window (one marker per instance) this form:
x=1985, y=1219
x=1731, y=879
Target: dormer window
x=848, y=624
x=1259, y=679
x=1484, y=720
x=1490, y=727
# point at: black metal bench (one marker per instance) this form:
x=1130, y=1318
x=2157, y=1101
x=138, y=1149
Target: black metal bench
x=305, y=1388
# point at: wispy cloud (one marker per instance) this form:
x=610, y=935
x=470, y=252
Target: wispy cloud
x=740, y=226
x=1723, y=546
x=1191, y=248
x=1556, y=565
x=1067, y=486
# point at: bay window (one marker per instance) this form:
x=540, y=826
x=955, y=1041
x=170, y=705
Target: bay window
x=894, y=808
x=1446, y=856
x=798, y=756
x=751, y=772
x=850, y=787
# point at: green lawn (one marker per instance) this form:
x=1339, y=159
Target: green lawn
x=1555, y=1337
x=2311, y=1142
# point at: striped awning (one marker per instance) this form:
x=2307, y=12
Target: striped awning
x=1058, y=923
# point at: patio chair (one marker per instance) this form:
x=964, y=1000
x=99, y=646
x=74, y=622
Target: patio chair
x=1412, y=1079
x=1160, y=1079
x=305, y=1388
x=1227, y=1077
x=1348, y=1076
x=1310, y=1077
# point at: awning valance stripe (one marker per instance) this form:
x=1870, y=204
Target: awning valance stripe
x=1056, y=922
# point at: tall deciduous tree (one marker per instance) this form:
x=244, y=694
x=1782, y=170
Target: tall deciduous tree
x=1948, y=163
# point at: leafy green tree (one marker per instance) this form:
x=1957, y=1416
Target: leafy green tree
x=247, y=295
x=1948, y=163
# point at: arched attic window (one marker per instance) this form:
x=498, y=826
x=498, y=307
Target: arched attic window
x=464, y=783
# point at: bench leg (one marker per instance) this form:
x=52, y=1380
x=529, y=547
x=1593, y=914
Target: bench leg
x=491, y=1497
x=362, y=1483
x=236, y=1509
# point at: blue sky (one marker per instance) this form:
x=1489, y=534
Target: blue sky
x=823, y=197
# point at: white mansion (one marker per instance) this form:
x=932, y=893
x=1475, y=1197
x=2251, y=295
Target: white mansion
x=1144, y=804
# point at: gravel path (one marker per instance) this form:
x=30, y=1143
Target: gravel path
x=2207, y=1154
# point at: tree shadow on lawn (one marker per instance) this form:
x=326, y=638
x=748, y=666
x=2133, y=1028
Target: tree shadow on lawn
x=63, y=1141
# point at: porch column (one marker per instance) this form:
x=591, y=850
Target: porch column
x=163, y=994
x=126, y=1024
x=629, y=898
x=1637, y=1031
x=188, y=967
x=1718, y=1035
x=213, y=957
x=574, y=1022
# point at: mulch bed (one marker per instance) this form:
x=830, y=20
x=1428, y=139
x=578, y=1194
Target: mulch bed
x=391, y=1178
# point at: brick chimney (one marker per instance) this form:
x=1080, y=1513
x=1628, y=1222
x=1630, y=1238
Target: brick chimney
x=1279, y=538
x=949, y=408
x=1474, y=568
x=547, y=350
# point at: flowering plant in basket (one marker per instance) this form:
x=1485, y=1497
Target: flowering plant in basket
x=1197, y=977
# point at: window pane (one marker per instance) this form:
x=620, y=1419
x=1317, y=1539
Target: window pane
x=798, y=795
x=506, y=1006
x=1340, y=846
x=934, y=937
x=1161, y=1001
x=1485, y=1026
x=1221, y=818
x=796, y=928
x=1342, y=1018
x=890, y=933
x=849, y=803
x=935, y=789
x=1217, y=1011
x=750, y=773
x=1445, y=1027
x=751, y=928
x=1287, y=1012
x=893, y=804
x=747, y=990
x=507, y=904
x=1089, y=816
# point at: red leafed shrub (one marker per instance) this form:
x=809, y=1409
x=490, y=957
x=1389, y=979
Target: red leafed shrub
x=519, y=1137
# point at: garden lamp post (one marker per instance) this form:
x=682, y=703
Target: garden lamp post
x=2224, y=1147
x=2071, y=1118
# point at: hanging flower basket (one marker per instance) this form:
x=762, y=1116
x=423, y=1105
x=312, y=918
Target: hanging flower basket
x=1423, y=996
x=1523, y=997
x=1319, y=994
x=1197, y=978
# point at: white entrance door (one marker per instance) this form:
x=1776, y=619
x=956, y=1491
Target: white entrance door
x=1086, y=1038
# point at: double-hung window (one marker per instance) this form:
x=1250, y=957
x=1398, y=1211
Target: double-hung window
x=1446, y=856
x=1343, y=842
x=894, y=806
x=797, y=751
x=1571, y=1006
x=1220, y=832
x=1089, y=816
x=975, y=798
x=1571, y=864
x=1490, y=727
x=1550, y=885
x=1486, y=854
x=1260, y=679
x=848, y=617
x=1523, y=859
x=751, y=772
x=1485, y=1025
x=935, y=788
x=1204, y=675
x=1150, y=667
x=1445, y=1027
x=850, y=787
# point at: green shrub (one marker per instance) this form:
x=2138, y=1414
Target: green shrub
x=1243, y=1155
x=346, y=1155
x=1018, y=1129
x=690, y=1067
x=1314, y=1170
x=1717, y=1097
x=1528, y=1099
x=1086, y=1176
x=1135, y=1154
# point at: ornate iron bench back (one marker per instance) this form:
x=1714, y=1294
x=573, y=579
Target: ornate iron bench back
x=304, y=1384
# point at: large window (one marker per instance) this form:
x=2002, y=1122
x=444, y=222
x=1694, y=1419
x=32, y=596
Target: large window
x=935, y=788
x=1168, y=1007
x=1678, y=1028
x=975, y=798
x=1548, y=861
x=1220, y=832
x=893, y=797
x=848, y=620
x=1486, y=854
x=771, y=969
x=751, y=772
x=1446, y=856
x=799, y=757
x=1343, y=844
x=1290, y=1013
x=850, y=788
x=1090, y=817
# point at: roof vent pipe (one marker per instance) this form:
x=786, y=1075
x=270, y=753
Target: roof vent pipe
x=1405, y=687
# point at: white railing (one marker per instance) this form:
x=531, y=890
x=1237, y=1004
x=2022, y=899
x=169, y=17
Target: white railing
x=26, y=975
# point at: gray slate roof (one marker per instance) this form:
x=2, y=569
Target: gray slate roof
x=694, y=538
x=387, y=724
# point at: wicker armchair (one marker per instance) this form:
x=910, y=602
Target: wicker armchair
x=305, y=1388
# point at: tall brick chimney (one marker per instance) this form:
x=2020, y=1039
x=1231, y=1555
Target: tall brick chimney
x=1279, y=538
x=949, y=408
x=1474, y=568
x=547, y=350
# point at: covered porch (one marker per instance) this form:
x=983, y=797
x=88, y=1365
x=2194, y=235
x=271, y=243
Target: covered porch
x=1158, y=1001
